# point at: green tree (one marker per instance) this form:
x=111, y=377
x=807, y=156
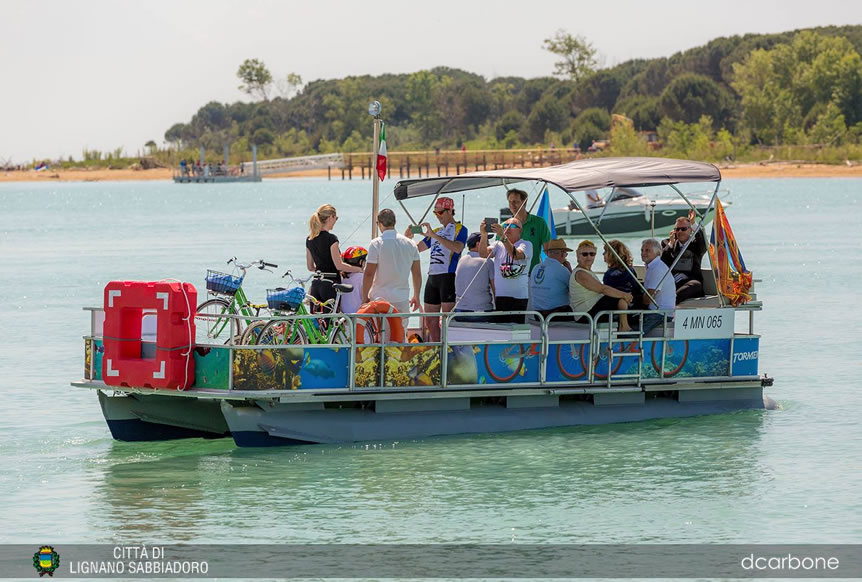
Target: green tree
x=548, y=114
x=577, y=53
x=591, y=125
x=419, y=99
x=780, y=87
x=829, y=128
x=263, y=136
x=689, y=97
x=174, y=135
x=686, y=140
x=643, y=110
x=511, y=121
x=625, y=141
x=289, y=85
x=255, y=78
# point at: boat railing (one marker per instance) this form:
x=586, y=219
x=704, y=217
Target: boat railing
x=545, y=351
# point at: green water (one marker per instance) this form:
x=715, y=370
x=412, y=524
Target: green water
x=791, y=475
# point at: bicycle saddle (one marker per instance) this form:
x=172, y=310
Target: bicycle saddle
x=343, y=287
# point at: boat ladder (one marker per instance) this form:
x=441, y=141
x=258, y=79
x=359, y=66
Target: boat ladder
x=623, y=346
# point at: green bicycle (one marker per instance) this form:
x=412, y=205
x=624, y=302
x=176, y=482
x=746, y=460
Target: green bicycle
x=293, y=301
x=228, y=299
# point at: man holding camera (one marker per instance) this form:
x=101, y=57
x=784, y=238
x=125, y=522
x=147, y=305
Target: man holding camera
x=446, y=243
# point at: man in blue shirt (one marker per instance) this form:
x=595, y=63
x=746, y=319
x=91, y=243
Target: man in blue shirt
x=549, y=280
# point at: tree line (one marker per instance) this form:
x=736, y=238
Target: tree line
x=794, y=89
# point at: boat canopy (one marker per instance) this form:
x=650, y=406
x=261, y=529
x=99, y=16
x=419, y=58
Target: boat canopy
x=586, y=174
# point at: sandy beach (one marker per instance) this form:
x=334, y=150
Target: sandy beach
x=770, y=170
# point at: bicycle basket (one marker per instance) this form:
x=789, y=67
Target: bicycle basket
x=222, y=282
x=285, y=299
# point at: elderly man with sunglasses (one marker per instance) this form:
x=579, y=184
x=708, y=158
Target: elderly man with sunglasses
x=686, y=273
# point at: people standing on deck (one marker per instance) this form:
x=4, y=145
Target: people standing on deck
x=322, y=253
x=512, y=256
x=549, y=281
x=355, y=256
x=533, y=229
x=686, y=273
x=392, y=259
x=588, y=294
x=658, y=282
x=446, y=243
x=474, y=281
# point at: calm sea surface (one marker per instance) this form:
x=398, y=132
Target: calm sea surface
x=788, y=476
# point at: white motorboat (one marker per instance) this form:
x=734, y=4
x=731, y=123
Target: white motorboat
x=626, y=212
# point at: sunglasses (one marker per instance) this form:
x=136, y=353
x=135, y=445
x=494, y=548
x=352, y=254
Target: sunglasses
x=508, y=226
x=588, y=254
x=681, y=228
x=439, y=212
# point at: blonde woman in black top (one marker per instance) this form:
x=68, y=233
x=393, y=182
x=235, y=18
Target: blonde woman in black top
x=323, y=254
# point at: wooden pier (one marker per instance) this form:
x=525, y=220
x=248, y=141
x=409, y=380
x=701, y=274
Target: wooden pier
x=425, y=164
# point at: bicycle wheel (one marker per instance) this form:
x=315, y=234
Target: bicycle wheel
x=503, y=362
x=251, y=335
x=341, y=332
x=674, y=359
x=208, y=318
x=282, y=333
x=569, y=358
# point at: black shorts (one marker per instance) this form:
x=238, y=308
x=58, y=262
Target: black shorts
x=440, y=289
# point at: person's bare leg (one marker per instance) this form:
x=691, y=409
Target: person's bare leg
x=622, y=304
x=432, y=324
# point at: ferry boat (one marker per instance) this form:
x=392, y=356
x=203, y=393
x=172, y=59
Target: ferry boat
x=480, y=378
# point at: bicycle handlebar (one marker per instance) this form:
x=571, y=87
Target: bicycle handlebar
x=260, y=264
x=302, y=281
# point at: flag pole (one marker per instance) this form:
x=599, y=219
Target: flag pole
x=375, y=197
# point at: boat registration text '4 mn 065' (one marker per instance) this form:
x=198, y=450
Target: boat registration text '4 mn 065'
x=703, y=323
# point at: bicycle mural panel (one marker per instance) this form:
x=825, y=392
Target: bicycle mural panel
x=567, y=362
x=514, y=363
x=291, y=368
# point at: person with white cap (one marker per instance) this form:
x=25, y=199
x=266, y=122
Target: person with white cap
x=549, y=281
x=446, y=243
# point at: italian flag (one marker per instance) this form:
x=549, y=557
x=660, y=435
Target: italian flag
x=381, y=154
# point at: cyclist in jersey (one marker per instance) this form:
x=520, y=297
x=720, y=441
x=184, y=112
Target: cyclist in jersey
x=446, y=243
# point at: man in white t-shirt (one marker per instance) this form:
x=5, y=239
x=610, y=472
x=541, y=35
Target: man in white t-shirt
x=512, y=256
x=659, y=284
x=391, y=257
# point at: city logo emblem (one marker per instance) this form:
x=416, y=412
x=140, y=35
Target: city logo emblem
x=46, y=560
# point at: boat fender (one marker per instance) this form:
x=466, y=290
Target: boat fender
x=126, y=303
x=396, y=327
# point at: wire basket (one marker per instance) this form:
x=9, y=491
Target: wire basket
x=222, y=282
x=285, y=299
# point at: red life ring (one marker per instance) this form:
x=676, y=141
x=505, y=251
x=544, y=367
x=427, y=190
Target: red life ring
x=173, y=303
x=396, y=327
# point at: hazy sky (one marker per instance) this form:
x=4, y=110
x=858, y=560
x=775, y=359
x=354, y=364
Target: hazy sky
x=106, y=74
